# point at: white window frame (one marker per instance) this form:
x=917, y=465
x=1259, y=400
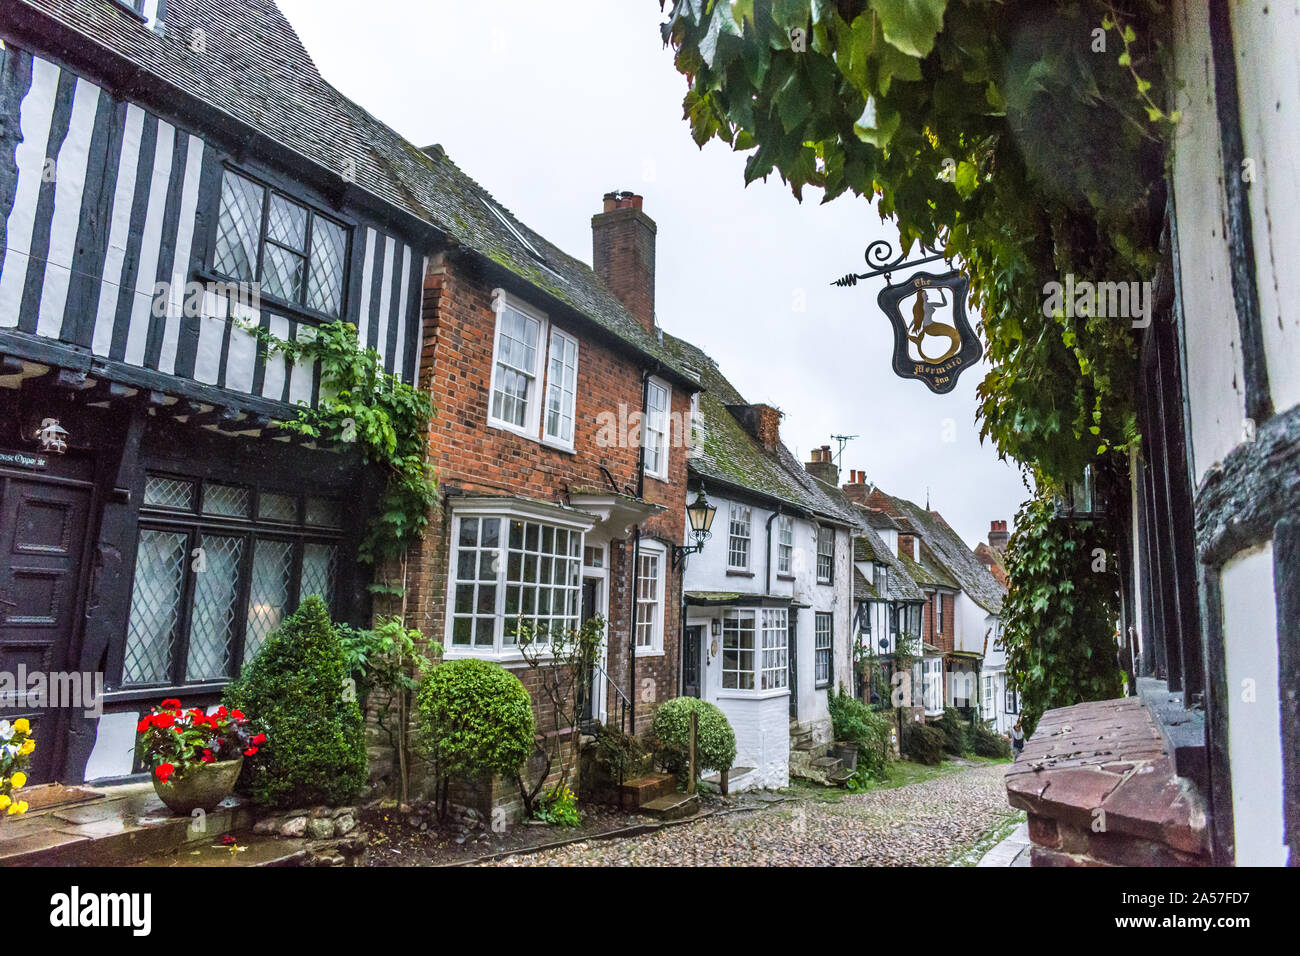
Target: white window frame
x=569, y=398
x=830, y=576
x=768, y=672
x=656, y=440
x=505, y=512
x=655, y=647
x=785, y=545
x=501, y=301
x=734, y=509
x=828, y=648
x=693, y=439
x=938, y=613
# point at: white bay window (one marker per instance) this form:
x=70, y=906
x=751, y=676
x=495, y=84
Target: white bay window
x=755, y=649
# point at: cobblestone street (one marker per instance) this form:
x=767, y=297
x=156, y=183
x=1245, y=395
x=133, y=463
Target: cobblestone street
x=936, y=822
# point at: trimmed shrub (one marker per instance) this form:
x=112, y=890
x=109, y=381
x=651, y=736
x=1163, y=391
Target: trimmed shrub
x=715, y=743
x=986, y=743
x=855, y=722
x=315, y=749
x=922, y=743
x=954, y=732
x=474, y=720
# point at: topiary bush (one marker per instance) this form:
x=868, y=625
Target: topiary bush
x=954, y=732
x=715, y=742
x=855, y=722
x=474, y=720
x=986, y=743
x=293, y=691
x=922, y=743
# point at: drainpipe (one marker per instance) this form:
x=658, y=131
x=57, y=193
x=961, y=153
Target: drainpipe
x=767, y=568
x=636, y=553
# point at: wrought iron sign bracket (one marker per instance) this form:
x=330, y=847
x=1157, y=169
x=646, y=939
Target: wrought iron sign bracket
x=879, y=255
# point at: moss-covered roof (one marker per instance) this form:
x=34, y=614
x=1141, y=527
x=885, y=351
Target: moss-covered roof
x=726, y=453
x=869, y=546
x=863, y=590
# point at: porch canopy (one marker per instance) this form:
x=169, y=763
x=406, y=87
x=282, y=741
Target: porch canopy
x=736, y=599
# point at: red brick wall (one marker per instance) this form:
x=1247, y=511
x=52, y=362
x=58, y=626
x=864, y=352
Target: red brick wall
x=456, y=368
x=944, y=640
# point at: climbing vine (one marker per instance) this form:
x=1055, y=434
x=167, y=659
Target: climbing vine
x=386, y=419
x=1060, y=611
x=1027, y=140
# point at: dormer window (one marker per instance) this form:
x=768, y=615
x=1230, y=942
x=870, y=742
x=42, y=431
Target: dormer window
x=150, y=11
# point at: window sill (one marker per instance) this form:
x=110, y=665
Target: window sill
x=294, y=311
x=649, y=652
x=785, y=577
x=738, y=573
x=504, y=658
x=663, y=478
x=753, y=694
x=558, y=446
x=512, y=429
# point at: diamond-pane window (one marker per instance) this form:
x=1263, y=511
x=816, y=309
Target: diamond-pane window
x=155, y=607
x=239, y=226
x=160, y=492
x=324, y=513
x=268, y=594
x=216, y=597
x=228, y=501
x=318, y=569
x=276, y=507
x=297, y=255
x=328, y=251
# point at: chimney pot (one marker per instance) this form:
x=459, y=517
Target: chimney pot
x=623, y=254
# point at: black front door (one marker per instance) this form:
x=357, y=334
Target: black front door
x=691, y=661
x=42, y=538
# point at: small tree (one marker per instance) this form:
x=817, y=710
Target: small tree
x=474, y=720
x=562, y=659
x=715, y=745
x=387, y=659
x=294, y=692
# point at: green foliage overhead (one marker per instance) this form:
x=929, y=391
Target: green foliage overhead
x=386, y=419
x=715, y=742
x=1060, y=611
x=293, y=691
x=475, y=720
x=1022, y=137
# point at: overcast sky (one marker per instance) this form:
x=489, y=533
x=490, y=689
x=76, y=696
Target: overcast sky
x=550, y=106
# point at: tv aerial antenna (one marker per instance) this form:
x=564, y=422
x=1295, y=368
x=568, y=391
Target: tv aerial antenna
x=841, y=440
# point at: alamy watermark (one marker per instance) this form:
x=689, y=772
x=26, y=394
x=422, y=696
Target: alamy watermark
x=189, y=299
x=1076, y=298
x=38, y=690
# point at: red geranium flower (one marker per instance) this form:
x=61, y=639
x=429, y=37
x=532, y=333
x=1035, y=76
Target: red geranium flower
x=250, y=751
x=163, y=720
x=143, y=725
x=207, y=757
x=259, y=739
x=171, y=703
x=164, y=771
x=238, y=715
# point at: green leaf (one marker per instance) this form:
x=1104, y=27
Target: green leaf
x=910, y=25
x=877, y=125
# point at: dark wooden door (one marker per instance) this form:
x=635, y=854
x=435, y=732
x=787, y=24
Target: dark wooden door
x=691, y=652
x=792, y=656
x=587, y=686
x=42, y=540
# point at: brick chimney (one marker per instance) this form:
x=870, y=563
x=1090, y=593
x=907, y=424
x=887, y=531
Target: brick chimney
x=998, y=536
x=623, y=254
x=822, y=466
x=761, y=421
x=856, y=488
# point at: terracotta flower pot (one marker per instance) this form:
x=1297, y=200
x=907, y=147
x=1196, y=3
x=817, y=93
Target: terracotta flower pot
x=203, y=787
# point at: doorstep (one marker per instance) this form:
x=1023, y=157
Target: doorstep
x=108, y=826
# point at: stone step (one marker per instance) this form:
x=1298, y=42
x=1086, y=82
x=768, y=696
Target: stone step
x=827, y=765
x=638, y=792
x=672, y=807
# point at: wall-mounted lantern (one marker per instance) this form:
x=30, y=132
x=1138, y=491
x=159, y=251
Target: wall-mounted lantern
x=700, y=513
x=1080, y=500
x=52, y=436
x=715, y=627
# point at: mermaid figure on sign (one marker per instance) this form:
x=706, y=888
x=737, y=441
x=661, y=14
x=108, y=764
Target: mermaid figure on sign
x=923, y=326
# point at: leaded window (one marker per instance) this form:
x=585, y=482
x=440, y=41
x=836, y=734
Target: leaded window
x=296, y=254
x=218, y=567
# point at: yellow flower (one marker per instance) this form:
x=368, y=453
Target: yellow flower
x=22, y=726
x=4, y=800
x=28, y=746
x=17, y=808
x=18, y=780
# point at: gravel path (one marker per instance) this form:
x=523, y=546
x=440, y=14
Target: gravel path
x=924, y=824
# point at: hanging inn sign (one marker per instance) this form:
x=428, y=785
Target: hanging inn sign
x=933, y=339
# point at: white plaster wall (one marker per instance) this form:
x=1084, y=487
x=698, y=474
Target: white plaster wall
x=971, y=623
x=762, y=727
x=1212, y=343
x=1266, y=36
x=1254, y=734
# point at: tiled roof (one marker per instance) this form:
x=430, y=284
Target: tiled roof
x=869, y=546
x=948, y=551
x=728, y=454
x=253, y=68
x=862, y=588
